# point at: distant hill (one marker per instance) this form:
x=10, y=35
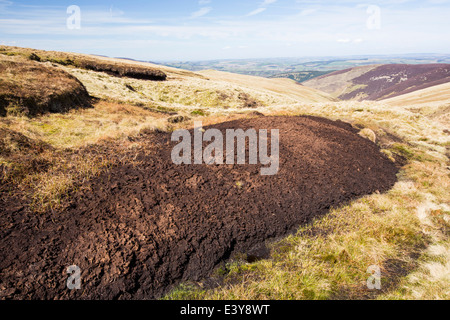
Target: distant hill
x=302, y=75
x=269, y=67
x=284, y=87
x=378, y=82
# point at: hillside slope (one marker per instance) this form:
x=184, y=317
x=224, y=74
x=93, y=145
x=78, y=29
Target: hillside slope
x=436, y=94
x=96, y=188
x=281, y=86
x=433, y=103
x=379, y=82
x=165, y=88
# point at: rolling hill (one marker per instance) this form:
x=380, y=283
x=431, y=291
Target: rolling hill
x=281, y=86
x=436, y=94
x=268, y=67
x=378, y=82
x=143, y=83
x=94, y=186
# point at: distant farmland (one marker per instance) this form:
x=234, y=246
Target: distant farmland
x=301, y=76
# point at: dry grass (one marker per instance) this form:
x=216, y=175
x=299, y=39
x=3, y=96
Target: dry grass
x=176, y=94
x=49, y=155
x=190, y=93
x=79, y=128
x=439, y=94
x=282, y=88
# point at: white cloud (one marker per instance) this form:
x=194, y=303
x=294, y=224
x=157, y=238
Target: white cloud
x=338, y=30
x=257, y=11
x=262, y=7
x=347, y=40
x=201, y=12
x=307, y=12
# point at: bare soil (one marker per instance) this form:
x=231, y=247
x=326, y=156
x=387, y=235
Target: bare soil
x=146, y=225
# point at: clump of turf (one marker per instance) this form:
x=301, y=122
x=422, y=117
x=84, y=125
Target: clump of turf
x=114, y=68
x=31, y=88
x=121, y=69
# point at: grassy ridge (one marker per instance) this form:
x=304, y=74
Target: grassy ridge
x=115, y=68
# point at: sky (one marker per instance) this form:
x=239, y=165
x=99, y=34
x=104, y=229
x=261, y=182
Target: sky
x=175, y=30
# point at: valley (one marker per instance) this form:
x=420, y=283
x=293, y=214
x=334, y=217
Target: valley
x=87, y=179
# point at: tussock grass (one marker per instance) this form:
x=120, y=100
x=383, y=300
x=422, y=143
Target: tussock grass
x=188, y=94
x=79, y=128
x=42, y=155
x=49, y=189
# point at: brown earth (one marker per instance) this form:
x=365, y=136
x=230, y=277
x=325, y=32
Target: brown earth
x=142, y=227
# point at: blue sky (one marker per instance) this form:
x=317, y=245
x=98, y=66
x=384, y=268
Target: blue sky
x=232, y=29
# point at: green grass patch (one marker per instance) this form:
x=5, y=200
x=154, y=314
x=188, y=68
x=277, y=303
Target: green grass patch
x=199, y=112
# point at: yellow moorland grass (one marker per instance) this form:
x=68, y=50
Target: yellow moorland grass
x=182, y=89
x=82, y=127
x=433, y=95
x=63, y=134
x=287, y=88
x=189, y=93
